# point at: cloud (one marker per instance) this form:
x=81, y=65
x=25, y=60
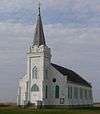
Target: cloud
x=80, y=53
x=76, y=5
x=77, y=12
x=71, y=12
x=16, y=4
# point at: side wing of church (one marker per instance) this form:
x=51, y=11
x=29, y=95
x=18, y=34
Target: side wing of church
x=48, y=84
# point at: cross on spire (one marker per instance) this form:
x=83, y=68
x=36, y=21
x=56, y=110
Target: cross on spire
x=39, y=8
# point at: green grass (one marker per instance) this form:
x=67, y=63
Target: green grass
x=14, y=110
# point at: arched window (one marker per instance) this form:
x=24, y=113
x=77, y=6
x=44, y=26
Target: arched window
x=35, y=88
x=75, y=92
x=34, y=73
x=46, y=92
x=86, y=96
x=57, y=92
x=81, y=93
x=90, y=94
x=69, y=92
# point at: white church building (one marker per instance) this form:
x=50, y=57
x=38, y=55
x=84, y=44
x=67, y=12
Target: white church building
x=48, y=84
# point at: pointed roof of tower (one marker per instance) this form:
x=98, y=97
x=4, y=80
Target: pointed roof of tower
x=39, y=38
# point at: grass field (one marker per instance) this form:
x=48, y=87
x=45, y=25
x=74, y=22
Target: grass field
x=14, y=110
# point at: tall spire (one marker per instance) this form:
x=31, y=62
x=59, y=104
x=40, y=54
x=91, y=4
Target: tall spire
x=39, y=38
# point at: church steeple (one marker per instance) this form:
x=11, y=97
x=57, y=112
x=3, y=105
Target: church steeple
x=39, y=38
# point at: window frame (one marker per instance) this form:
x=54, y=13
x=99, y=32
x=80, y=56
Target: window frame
x=57, y=92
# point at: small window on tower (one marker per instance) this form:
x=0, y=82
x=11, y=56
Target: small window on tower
x=34, y=73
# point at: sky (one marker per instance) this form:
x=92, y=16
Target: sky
x=72, y=31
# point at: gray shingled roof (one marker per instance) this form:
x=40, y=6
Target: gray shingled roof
x=72, y=76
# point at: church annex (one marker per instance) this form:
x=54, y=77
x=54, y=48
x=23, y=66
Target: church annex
x=48, y=84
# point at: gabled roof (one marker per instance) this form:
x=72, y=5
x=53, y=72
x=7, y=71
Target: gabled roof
x=39, y=38
x=72, y=76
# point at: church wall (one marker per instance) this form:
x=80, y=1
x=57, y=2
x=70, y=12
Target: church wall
x=80, y=101
x=21, y=98
x=61, y=82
